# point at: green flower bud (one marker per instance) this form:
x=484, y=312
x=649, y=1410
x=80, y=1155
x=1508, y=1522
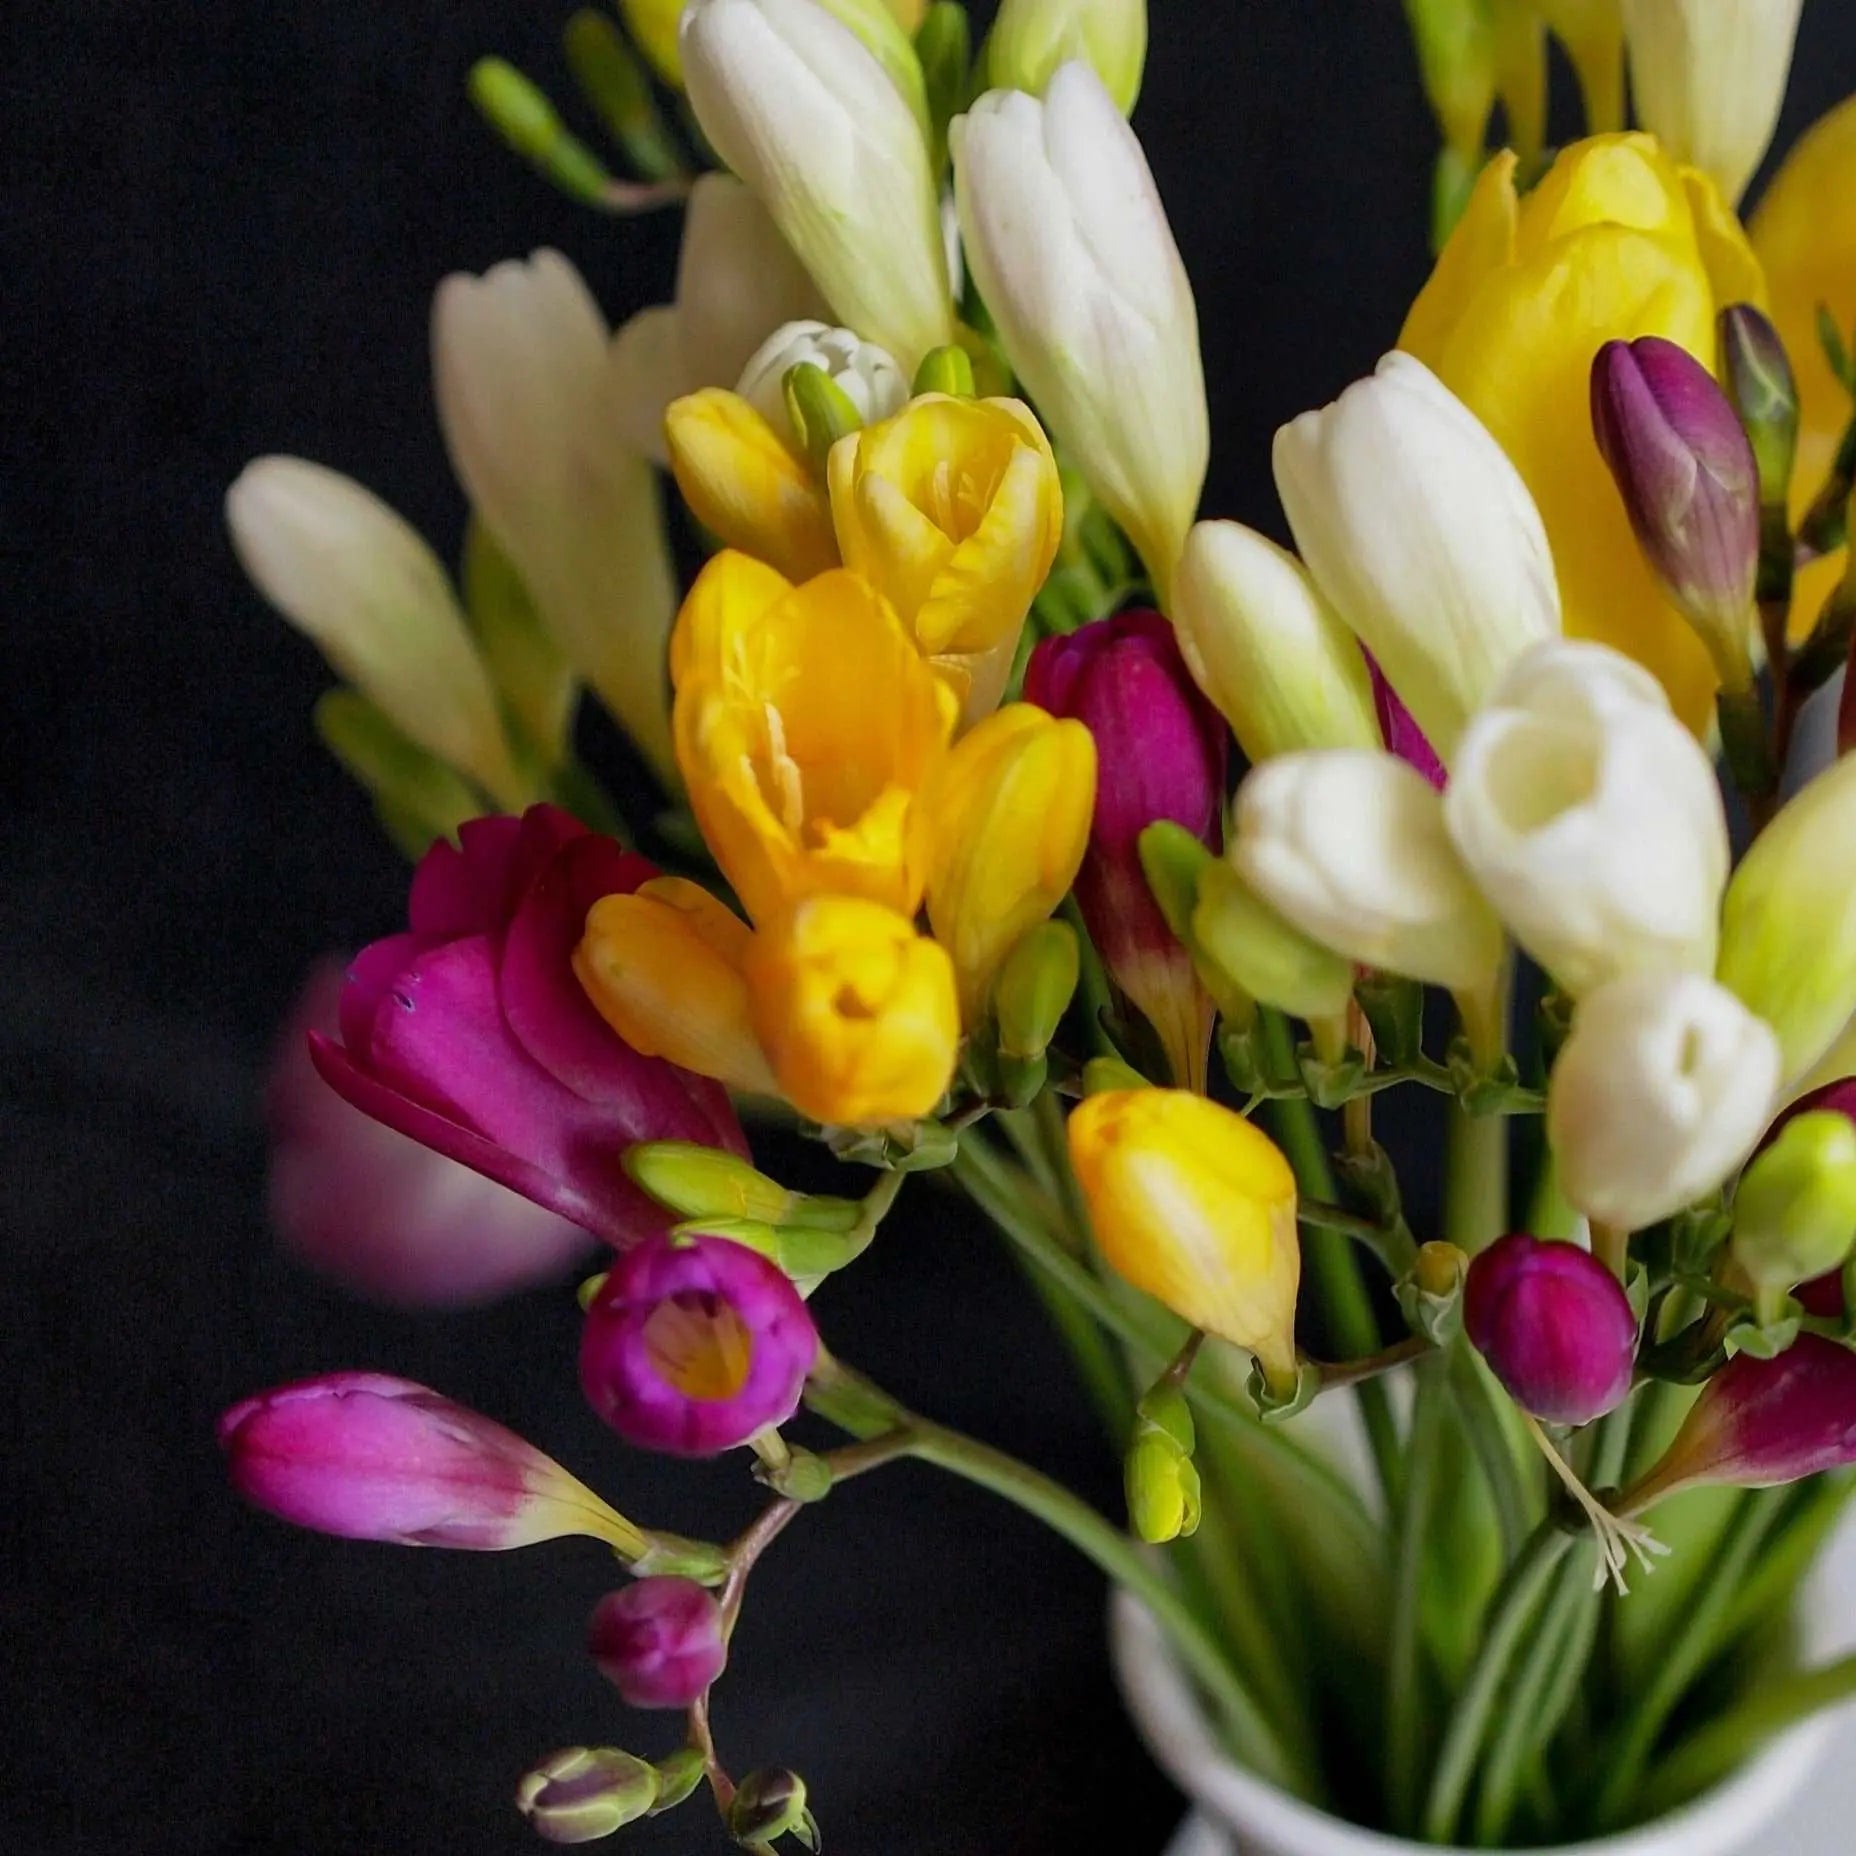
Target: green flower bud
x=1035, y=986
x=820, y=410
x=1758, y=378
x=1242, y=942
x=945, y=370
x=772, y=1804
x=615, y=83
x=1105, y=1075
x=1031, y=38
x=522, y=115
x=583, y=1793
x=698, y=1182
x=678, y=1775
x=1795, y=1210
x=1162, y=1487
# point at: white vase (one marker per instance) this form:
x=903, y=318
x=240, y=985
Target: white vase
x=1767, y=1802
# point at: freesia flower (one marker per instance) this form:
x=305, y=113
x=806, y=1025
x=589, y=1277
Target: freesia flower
x=369, y=1457
x=798, y=106
x=529, y=395
x=857, y=1013
x=470, y=1033
x=581, y=1794
x=1788, y=925
x=1399, y=731
x=1267, y=648
x=659, y=1641
x=953, y=510
x=1708, y=76
x=384, y=1215
x=1069, y=245
x=1616, y=242
x=1660, y=1092
x=358, y=581
x=1760, y=1423
x=737, y=283
x=1424, y=538
x=1160, y=754
x=1554, y=1325
x=1195, y=1205
x=866, y=375
x=807, y=728
x=1011, y=812
x=1032, y=39
x=1591, y=818
x=694, y=1345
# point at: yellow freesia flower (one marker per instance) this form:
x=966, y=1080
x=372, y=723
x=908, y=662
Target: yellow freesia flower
x=954, y=510
x=743, y=484
x=1805, y=235
x=807, y=727
x=1011, y=811
x=662, y=967
x=856, y=1011
x=1615, y=243
x=1196, y=1206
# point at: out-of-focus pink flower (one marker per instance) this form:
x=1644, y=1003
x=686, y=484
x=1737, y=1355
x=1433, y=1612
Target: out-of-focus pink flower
x=659, y=1642
x=1399, y=729
x=1160, y=754
x=470, y=1032
x=695, y=1344
x=381, y=1214
x=369, y=1457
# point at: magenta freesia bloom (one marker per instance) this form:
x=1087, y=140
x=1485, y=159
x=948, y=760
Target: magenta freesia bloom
x=1685, y=469
x=694, y=1344
x=659, y=1642
x=1759, y=1423
x=1160, y=754
x=381, y=1214
x=1554, y=1325
x=369, y=1457
x=470, y=1033
x=1399, y=730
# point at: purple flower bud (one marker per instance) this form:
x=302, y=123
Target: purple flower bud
x=695, y=1344
x=1686, y=471
x=1554, y=1325
x=367, y=1457
x=1399, y=729
x=1160, y=754
x=1759, y=1423
x=583, y=1794
x=659, y=1642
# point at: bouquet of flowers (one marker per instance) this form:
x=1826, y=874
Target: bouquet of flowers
x=1017, y=833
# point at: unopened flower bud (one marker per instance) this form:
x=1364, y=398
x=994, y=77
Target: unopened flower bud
x=1439, y=1268
x=1029, y=998
x=708, y=1183
x=659, y=1642
x=1158, y=1474
x=520, y=112
x=865, y=376
x=1242, y=943
x=1031, y=38
x=1795, y=1207
x=1685, y=469
x=1759, y=1423
x=583, y=1793
x=1554, y=1325
x=1757, y=374
x=678, y=1775
x=771, y=1804
x=1660, y=1092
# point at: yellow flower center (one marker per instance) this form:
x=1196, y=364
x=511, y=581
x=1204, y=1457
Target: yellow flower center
x=699, y=1346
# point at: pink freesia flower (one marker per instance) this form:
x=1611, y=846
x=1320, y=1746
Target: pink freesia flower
x=695, y=1344
x=470, y=1033
x=369, y=1457
x=1160, y=754
x=659, y=1642
x=381, y=1214
x=1399, y=729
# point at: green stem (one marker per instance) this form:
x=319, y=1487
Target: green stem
x=1511, y=1610
x=1475, y=1180
x=1407, y=1707
x=852, y=1402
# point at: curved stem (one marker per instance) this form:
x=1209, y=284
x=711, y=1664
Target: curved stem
x=1405, y=1696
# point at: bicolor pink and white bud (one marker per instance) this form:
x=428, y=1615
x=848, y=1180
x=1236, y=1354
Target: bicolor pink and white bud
x=660, y=1642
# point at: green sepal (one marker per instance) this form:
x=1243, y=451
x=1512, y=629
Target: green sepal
x=820, y=410
x=1394, y=1008
x=678, y=1775
x=945, y=370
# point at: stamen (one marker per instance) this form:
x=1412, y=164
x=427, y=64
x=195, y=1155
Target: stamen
x=1618, y=1540
x=699, y=1346
x=788, y=783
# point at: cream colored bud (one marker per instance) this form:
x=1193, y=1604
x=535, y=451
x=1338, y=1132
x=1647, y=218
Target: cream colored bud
x=1664, y=1086
x=1032, y=38
x=867, y=375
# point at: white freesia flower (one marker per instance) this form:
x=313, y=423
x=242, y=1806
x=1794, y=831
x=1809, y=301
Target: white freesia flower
x=1591, y=818
x=796, y=104
x=1414, y=523
x=1268, y=650
x=1349, y=845
x=868, y=375
x=1708, y=77
x=355, y=578
x=1070, y=247
x=1030, y=39
x=1663, y=1088
x=1788, y=927
x=737, y=281
x=529, y=398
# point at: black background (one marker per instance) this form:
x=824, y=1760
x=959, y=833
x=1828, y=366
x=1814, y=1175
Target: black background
x=223, y=224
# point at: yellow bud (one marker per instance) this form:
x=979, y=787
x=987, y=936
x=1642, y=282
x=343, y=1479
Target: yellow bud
x=653, y=26
x=662, y=966
x=807, y=728
x=1010, y=815
x=856, y=1011
x=953, y=508
x=1196, y=1206
x=1162, y=1488
x=742, y=483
